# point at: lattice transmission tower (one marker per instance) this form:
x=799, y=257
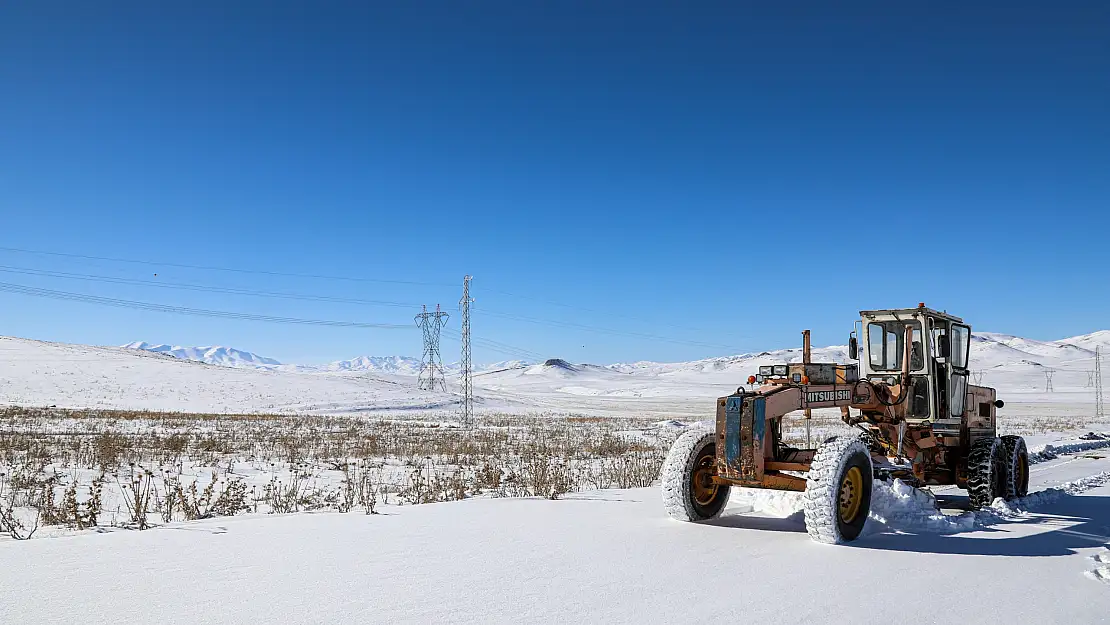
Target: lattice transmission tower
x=431, y=364
x=467, y=365
x=1100, y=407
x=1048, y=380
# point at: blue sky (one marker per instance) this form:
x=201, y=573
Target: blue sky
x=689, y=180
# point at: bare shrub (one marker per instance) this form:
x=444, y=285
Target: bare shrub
x=11, y=522
x=137, y=496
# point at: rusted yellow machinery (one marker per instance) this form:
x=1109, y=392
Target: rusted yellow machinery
x=915, y=415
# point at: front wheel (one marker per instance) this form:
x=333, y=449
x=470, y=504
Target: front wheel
x=1015, y=456
x=689, y=492
x=838, y=490
x=986, y=472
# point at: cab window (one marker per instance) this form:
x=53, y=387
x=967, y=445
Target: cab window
x=961, y=343
x=886, y=344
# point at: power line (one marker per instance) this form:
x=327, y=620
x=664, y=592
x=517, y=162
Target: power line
x=431, y=364
x=199, y=287
x=497, y=346
x=160, y=284
x=237, y=291
x=213, y=268
x=467, y=368
x=489, y=344
x=184, y=310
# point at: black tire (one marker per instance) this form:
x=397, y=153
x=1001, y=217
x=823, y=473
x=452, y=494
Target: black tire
x=1015, y=457
x=872, y=442
x=841, y=472
x=687, y=494
x=986, y=473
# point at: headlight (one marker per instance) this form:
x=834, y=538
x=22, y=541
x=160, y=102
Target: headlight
x=780, y=371
x=766, y=371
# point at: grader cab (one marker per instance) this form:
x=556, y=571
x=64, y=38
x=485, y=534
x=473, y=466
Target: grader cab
x=913, y=415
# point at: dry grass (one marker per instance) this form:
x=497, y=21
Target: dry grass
x=165, y=467
x=82, y=468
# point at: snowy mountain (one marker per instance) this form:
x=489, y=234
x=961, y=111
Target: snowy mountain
x=397, y=365
x=1089, y=342
x=213, y=355
x=231, y=357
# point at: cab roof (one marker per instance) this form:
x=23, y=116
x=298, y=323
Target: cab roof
x=886, y=312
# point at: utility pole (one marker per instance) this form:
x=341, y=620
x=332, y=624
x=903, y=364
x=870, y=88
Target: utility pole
x=806, y=357
x=1048, y=379
x=467, y=366
x=1100, y=407
x=431, y=364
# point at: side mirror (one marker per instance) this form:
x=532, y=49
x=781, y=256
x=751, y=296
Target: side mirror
x=944, y=348
x=853, y=347
x=998, y=403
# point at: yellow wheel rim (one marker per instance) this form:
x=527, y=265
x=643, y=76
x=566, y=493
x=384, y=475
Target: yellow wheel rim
x=701, y=481
x=851, y=495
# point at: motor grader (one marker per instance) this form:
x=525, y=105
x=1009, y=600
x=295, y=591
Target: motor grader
x=915, y=417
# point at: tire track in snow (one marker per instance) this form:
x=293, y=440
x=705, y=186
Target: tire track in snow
x=1101, y=572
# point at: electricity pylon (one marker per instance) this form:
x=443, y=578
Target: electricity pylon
x=1100, y=407
x=431, y=364
x=467, y=366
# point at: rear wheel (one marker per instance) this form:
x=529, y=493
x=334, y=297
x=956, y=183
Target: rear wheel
x=689, y=492
x=838, y=490
x=1015, y=457
x=986, y=472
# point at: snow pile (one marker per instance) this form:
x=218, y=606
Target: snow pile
x=895, y=506
x=1049, y=496
x=900, y=507
x=776, y=503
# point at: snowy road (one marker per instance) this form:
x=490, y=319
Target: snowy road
x=609, y=556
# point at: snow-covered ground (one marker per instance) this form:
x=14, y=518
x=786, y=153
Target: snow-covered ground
x=604, y=556
x=37, y=373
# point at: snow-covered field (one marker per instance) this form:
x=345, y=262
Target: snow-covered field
x=323, y=440
x=607, y=556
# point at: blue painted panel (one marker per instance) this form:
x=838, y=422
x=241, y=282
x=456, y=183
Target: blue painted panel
x=732, y=429
x=759, y=423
